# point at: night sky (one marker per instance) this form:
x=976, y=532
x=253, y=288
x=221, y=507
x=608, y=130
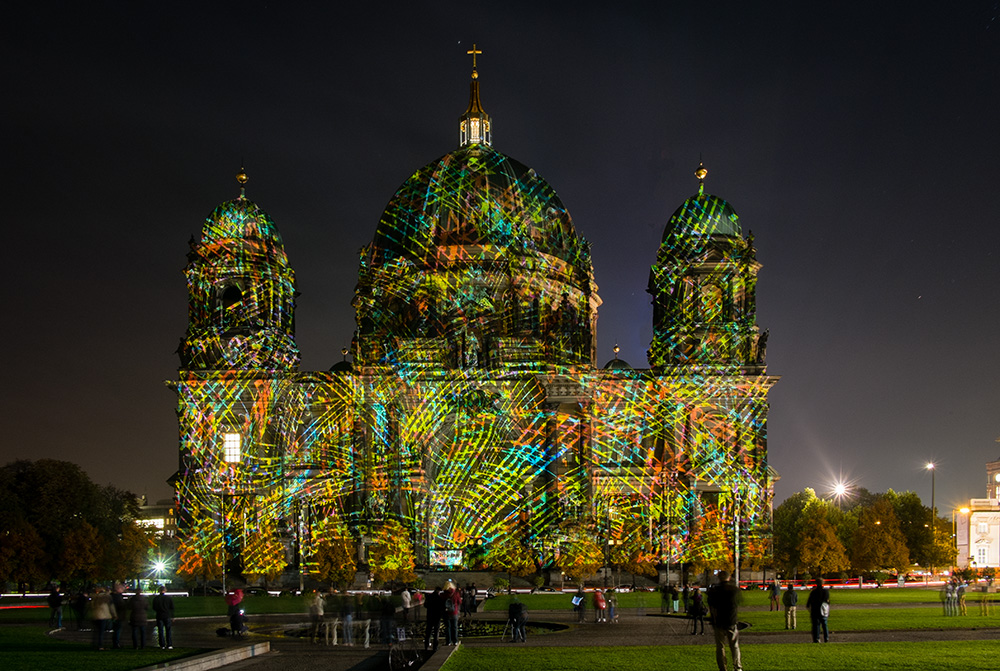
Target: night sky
x=859, y=145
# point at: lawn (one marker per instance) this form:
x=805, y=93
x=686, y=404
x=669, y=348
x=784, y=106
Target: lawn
x=939, y=655
x=185, y=606
x=650, y=601
x=28, y=648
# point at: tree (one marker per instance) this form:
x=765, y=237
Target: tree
x=126, y=556
x=80, y=554
x=202, y=553
x=333, y=562
x=264, y=554
x=633, y=551
x=390, y=555
x=820, y=551
x=579, y=555
x=914, y=521
x=878, y=542
x=511, y=553
x=55, y=498
x=787, y=529
x=21, y=555
x=709, y=547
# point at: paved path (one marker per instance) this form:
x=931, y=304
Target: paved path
x=291, y=653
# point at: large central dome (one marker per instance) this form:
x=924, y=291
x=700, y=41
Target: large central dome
x=475, y=196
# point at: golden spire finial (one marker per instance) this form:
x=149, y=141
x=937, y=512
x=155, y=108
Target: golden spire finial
x=616, y=349
x=701, y=173
x=473, y=52
x=242, y=178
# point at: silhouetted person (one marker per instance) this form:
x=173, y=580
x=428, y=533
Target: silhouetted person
x=163, y=606
x=138, y=618
x=723, y=601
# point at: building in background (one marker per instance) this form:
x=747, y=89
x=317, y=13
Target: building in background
x=473, y=411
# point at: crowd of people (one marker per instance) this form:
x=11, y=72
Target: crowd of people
x=106, y=612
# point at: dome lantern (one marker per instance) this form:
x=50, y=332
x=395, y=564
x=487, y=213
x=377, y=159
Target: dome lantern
x=474, y=127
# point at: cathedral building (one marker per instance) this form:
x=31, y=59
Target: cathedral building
x=473, y=410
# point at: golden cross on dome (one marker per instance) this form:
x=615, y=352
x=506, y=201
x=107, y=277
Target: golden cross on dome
x=472, y=52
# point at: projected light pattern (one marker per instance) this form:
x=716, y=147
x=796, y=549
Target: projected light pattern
x=475, y=264
x=473, y=413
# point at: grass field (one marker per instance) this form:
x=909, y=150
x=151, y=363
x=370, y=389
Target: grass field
x=186, y=606
x=28, y=648
x=938, y=655
x=751, y=598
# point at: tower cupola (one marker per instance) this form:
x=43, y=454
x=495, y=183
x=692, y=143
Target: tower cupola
x=475, y=127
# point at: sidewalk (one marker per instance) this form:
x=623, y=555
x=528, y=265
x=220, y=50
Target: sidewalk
x=292, y=653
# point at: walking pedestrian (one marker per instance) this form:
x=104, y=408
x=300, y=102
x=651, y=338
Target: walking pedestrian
x=818, y=604
x=723, y=601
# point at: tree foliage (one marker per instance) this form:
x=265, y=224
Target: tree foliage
x=333, y=562
x=579, y=554
x=878, y=541
x=513, y=555
x=390, y=555
x=78, y=525
x=819, y=550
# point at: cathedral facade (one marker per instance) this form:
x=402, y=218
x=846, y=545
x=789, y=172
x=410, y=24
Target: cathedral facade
x=473, y=410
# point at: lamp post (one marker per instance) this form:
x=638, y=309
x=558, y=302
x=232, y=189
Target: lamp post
x=930, y=467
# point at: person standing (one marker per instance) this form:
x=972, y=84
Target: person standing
x=697, y=611
x=435, y=609
x=723, y=602
x=55, y=606
x=612, y=598
x=407, y=603
x=101, y=610
x=818, y=604
x=118, y=608
x=790, y=600
x=600, y=605
x=774, y=592
x=138, y=618
x=579, y=603
x=347, y=617
x=961, y=598
x=452, y=598
x=316, y=613
x=163, y=607
x=686, y=598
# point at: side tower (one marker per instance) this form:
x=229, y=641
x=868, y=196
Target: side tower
x=235, y=365
x=709, y=360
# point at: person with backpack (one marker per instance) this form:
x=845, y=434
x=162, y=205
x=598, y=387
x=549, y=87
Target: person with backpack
x=818, y=604
x=452, y=597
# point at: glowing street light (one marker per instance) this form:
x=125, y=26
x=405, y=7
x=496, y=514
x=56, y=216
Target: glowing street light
x=931, y=467
x=839, y=492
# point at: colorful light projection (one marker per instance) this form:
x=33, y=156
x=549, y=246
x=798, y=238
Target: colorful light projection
x=241, y=294
x=475, y=264
x=474, y=413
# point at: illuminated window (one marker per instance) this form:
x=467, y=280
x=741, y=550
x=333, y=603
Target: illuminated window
x=983, y=527
x=981, y=556
x=231, y=446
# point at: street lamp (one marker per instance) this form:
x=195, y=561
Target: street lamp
x=839, y=492
x=930, y=467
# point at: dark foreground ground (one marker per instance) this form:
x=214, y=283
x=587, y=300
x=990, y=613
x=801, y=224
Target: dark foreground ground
x=293, y=653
